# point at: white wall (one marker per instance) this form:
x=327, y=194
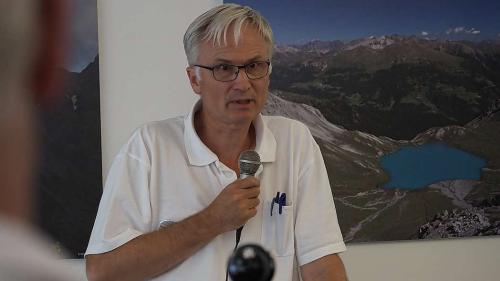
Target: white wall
x=142, y=64
x=142, y=78
x=472, y=259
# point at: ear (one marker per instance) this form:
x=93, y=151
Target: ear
x=193, y=79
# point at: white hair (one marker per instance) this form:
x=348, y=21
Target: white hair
x=214, y=24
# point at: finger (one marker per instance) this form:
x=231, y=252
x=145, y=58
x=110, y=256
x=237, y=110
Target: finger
x=252, y=212
x=248, y=182
x=242, y=184
x=252, y=192
x=250, y=204
x=253, y=203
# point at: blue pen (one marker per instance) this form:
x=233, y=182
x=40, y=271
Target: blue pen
x=275, y=200
x=282, y=202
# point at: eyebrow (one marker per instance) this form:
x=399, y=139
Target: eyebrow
x=226, y=61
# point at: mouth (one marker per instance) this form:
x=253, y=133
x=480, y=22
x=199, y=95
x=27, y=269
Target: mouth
x=242, y=101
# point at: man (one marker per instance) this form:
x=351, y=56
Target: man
x=173, y=201
x=30, y=36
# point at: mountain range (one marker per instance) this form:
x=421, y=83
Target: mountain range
x=392, y=86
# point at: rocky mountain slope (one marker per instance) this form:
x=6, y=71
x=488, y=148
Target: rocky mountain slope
x=349, y=154
x=69, y=186
x=368, y=212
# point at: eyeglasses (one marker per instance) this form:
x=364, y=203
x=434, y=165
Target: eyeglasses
x=228, y=72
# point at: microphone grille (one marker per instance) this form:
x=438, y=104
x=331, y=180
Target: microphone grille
x=249, y=162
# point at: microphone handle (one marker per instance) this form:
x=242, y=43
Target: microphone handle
x=244, y=176
x=238, y=231
x=238, y=236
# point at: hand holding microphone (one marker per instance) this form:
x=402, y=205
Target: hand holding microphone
x=237, y=202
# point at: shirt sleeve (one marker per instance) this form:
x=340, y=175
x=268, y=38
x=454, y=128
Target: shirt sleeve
x=317, y=232
x=125, y=209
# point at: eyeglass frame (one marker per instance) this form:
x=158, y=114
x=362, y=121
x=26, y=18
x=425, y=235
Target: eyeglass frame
x=244, y=66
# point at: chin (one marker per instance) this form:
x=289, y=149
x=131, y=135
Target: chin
x=244, y=118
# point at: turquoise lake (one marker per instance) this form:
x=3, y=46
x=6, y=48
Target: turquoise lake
x=414, y=167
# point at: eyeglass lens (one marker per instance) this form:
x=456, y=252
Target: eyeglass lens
x=225, y=72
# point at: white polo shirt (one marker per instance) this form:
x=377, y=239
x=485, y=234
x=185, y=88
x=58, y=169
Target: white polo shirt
x=165, y=173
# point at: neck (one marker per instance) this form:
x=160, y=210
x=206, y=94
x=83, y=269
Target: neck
x=226, y=141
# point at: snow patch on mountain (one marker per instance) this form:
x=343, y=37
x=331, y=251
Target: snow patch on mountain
x=285, y=49
x=372, y=42
x=439, y=134
x=349, y=148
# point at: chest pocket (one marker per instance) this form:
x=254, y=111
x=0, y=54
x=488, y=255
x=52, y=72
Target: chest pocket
x=277, y=230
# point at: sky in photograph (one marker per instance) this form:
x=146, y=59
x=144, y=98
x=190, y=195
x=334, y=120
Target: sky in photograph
x=82, y=31
x=298, y=21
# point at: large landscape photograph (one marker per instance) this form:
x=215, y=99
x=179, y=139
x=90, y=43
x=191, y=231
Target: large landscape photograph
x=403, y=98
x=69, y=186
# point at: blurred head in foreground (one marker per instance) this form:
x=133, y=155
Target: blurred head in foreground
x=30, y=49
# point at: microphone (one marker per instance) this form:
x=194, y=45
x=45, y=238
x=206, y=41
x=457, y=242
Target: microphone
x=249, y=163
x=251, y=263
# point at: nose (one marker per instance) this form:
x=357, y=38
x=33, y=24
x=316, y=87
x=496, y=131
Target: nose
x=242, y=82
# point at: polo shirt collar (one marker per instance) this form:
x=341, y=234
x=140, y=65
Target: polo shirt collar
x=265, y=143
x=200, y=155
